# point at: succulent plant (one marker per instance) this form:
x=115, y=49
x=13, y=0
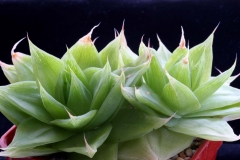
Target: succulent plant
x=114, y=104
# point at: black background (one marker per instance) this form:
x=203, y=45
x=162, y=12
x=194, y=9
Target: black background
x=53, y=24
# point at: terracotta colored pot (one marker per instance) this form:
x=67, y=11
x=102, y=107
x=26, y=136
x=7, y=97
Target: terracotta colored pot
x=207, y=151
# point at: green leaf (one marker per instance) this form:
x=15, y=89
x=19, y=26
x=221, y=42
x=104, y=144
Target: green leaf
x=211, y=86
x=181, y=72
x=160, y=144
x=25, y=96
x=28, y=152
x=130, y=124
x=214, y=129
x=100, y=84
x=179, y=97
x=166, y=143
x=219, y=112
x=155, y=76
x=85, y=52
x=224, y=96
x=23, y=66
x=10, y=111
x=56, y=109
x=71, y=63
x=110, y=53
x=197, y=52
x=147, y=96
x=81, y=142
x=75, y=122
x=46, y=68
x=9, y=72
x=163, y=53
x=105, y=151
x=129, y=94
x=176, y=56
x=79, y=99
x=138, y=149
x=111, y=103
x=33, y=133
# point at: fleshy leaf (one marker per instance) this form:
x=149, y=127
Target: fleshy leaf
x=111, y=53
x=25, y=96
x=46, y=68
x=214, y=129
x=41, y=134
x=56, y=109
x=10, y=72
x=76, y=143
x=155, y=76
x=105, y=150
x=163, y=53
x=166, y=143
x=176, y=56
x=129, y=94
x=211, y=86
x=129, y=124
x=196, y=54
x=11, y=112
x=147, y=96
x=75, y=122
x=85, y=53
x=111, y=103
x=224, y=96
x=79, y=99
x=28, y=152
x=173, y=96
x=100, y=84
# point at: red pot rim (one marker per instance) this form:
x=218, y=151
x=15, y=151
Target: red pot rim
x=207, y=150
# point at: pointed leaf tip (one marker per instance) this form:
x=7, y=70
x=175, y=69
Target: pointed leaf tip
x=87, y=38
x=90, y=150
x=14, y=47
x=216, y=28
x=123, y=25
x=182, y=41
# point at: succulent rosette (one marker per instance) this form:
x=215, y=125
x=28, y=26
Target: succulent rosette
x=114, y=104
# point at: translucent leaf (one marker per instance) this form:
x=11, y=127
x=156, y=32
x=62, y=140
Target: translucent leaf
x=23, y=65
x=166, y=143
x=112, y=102
x=220, y=112
x=75, y=122
x=100, y=84
x=196, y=54
x=176, y=56
x=32, y=133
x=214, y=129
x=130, y=124
x=224, y=96
x=163, y=53
x=105, y=150
x=155, y=76
x=179, y=97
x=79, y=99
x=211, y=86
x=25, y=96
x=129, y=94
x=10, y=72
x=56, y=109
x=71, y=63
x=10, y=111
x=147, y=96
x=85, y=53
x=181, y=72
x=46, y=68
x=138, y=149
x=111, y=53
x=76, y=143
x=28, y=152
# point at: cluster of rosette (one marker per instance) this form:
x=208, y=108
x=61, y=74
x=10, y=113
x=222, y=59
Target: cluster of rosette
x=114, y=104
